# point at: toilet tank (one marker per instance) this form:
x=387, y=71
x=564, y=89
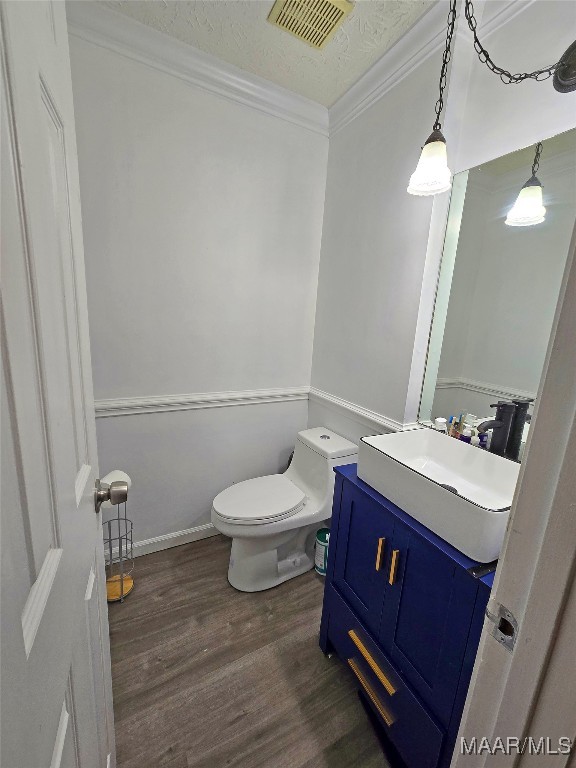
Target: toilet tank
x=316, y=453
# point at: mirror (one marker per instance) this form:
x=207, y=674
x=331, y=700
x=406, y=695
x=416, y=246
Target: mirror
x=498, y=285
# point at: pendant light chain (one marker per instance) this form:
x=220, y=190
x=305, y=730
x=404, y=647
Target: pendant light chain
x=507, y=77
x=536, y=163
x=445, y=61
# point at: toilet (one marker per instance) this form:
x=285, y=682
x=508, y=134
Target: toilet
x=273, y=520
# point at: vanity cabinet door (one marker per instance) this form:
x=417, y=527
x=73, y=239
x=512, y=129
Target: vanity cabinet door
x=362, y=559
x=426, y=618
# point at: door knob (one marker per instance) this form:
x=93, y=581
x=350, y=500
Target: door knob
x=115, y=492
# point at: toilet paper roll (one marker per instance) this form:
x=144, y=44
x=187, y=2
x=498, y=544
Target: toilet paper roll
x=111, y=477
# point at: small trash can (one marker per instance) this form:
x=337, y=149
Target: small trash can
x=321, y=555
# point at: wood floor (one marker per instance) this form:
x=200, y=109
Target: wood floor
x=207, y=677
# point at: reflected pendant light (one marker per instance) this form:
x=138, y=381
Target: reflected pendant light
x=528, y=209
x=432, y=174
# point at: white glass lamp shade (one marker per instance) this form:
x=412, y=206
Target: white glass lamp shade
x=528, y=208
x=432, y=174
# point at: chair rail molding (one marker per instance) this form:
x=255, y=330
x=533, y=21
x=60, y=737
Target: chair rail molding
x=483, y=388
x=106, y=28
x=127, y=406
x=364, y=416
x=131, y=406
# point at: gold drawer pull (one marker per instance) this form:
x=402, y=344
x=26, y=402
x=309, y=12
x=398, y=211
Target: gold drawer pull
x=379, y=553
x=372, y=664
x=394, y=566
x=386, y=716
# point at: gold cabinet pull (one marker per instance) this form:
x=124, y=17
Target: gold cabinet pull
x=371, y=663
x=386, y=716
x=394, y=566
x=379, y=553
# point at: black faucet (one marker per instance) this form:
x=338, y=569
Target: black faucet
x=521, y=416
x=500, y=426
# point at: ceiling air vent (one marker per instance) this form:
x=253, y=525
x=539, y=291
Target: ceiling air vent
x=314, y=21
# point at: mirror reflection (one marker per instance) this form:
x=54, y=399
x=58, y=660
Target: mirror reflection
x=497, y=294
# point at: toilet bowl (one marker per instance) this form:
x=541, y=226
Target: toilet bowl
x=272, y=520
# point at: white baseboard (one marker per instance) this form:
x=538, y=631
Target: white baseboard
x=175, y=539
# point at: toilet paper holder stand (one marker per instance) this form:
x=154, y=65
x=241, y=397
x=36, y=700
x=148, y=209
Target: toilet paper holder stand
x=112, y=492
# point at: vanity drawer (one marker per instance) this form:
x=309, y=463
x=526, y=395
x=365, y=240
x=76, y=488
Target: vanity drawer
x=404, y=720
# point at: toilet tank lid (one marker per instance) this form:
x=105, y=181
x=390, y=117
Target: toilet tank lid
x=327, y=443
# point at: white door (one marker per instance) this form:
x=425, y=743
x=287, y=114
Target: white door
x=56, y=698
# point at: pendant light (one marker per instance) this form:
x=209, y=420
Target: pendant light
x=528, y=209
x=432, y=174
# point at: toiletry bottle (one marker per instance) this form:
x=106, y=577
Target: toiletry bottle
x=457, y=427
x=483, y=438
x=440, y=425
x=466, y=436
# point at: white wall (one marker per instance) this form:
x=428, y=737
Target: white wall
x=373, y=244
x=373, y=309
x=185, y=197
x=180, y=460
x=202, y=226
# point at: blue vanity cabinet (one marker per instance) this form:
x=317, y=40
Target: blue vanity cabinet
x=404, y=614
x=360, y=566
x=426, y=618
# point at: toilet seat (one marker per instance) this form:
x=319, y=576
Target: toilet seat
x=260, y=500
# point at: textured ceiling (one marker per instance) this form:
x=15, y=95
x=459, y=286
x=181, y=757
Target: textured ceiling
x=237, y=32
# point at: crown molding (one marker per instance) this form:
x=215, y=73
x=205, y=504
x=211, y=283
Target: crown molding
x=418, y=44
x=425, y=38
x=127, y=37
x=128, y=406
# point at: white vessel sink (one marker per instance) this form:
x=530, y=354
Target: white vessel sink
x=411, y=469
